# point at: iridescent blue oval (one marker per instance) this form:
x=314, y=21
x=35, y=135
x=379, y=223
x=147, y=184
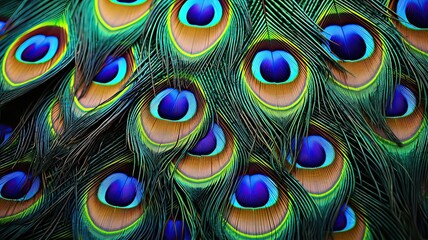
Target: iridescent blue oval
x=255, y=191
x=201, y=13
x=18, y=186
x=413, y=13
x=274, y=67
x=346, y=219
x=37, y=49
x=120, y=190
x=315, y=152
x=350, y=42
x=174, y=105
x=210, y=145
x=177, y=230
x=402, y=104
x=112, y=73
x=5, y=133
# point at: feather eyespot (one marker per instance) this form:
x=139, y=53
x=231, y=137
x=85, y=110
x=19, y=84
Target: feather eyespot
x=355, y=45
x=274, y=67
x=174, y=105
x=320, y=165
x=112, y=73
x=121, y=191
x=196, y=13
x=212, y=144
x=5, y=133
x=346, y=219
x=211, y=159
x=350, y=42
x=411, y=21
x=315, y=152
x=255, y=191
x=110, y=81
x=402, y=104
x=348, y=225
x=119, y=14
x=20, y=191
x=18, y=186
x=403, y=114
x=276, y=74
x=259, y=207
x=119, y=196
x=177, y=229
x=37, y=49
x=35, y=53
x=412, y=13
x=195, y=26
x=172, y=114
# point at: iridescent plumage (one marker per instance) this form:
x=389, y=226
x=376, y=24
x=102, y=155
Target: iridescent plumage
x=214, y=119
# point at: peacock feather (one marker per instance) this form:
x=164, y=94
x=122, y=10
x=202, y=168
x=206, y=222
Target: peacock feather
x=214, y=119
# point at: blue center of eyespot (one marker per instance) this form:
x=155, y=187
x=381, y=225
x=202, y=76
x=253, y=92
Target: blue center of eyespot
x=176, y=230
x=113, y=72
x=416, y=12
x=274, y=67
x=18, y=185
x=2, y=24
x=413, y=13
x=398, y=106
x=340, y=222
x=252, y=191
x=255, y=191
x=128, y=2
x=212, y=144
x=37, y=49
x=350, y=42
x=345, y=220
x=174, y=105
x=312, y=153
x=403, y=103
x=5, y=133
x=206, y=145
x=120, y=190
x=315, y=152
x=200, y=14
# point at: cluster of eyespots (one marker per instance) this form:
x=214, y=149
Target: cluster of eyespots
x=120, y=191
x=128, y=2
x=413, y=13
x=213, y=143
x=350, y=42
x=197, y=13
x=174, y=105
x=315, y=152
x=37, y=49
x=18, y=186
x=113, y=72
x=402, y=104
x=255, y=191
x=176, y=229
x=5, y=133
x=346, y=219
x=274, y=66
